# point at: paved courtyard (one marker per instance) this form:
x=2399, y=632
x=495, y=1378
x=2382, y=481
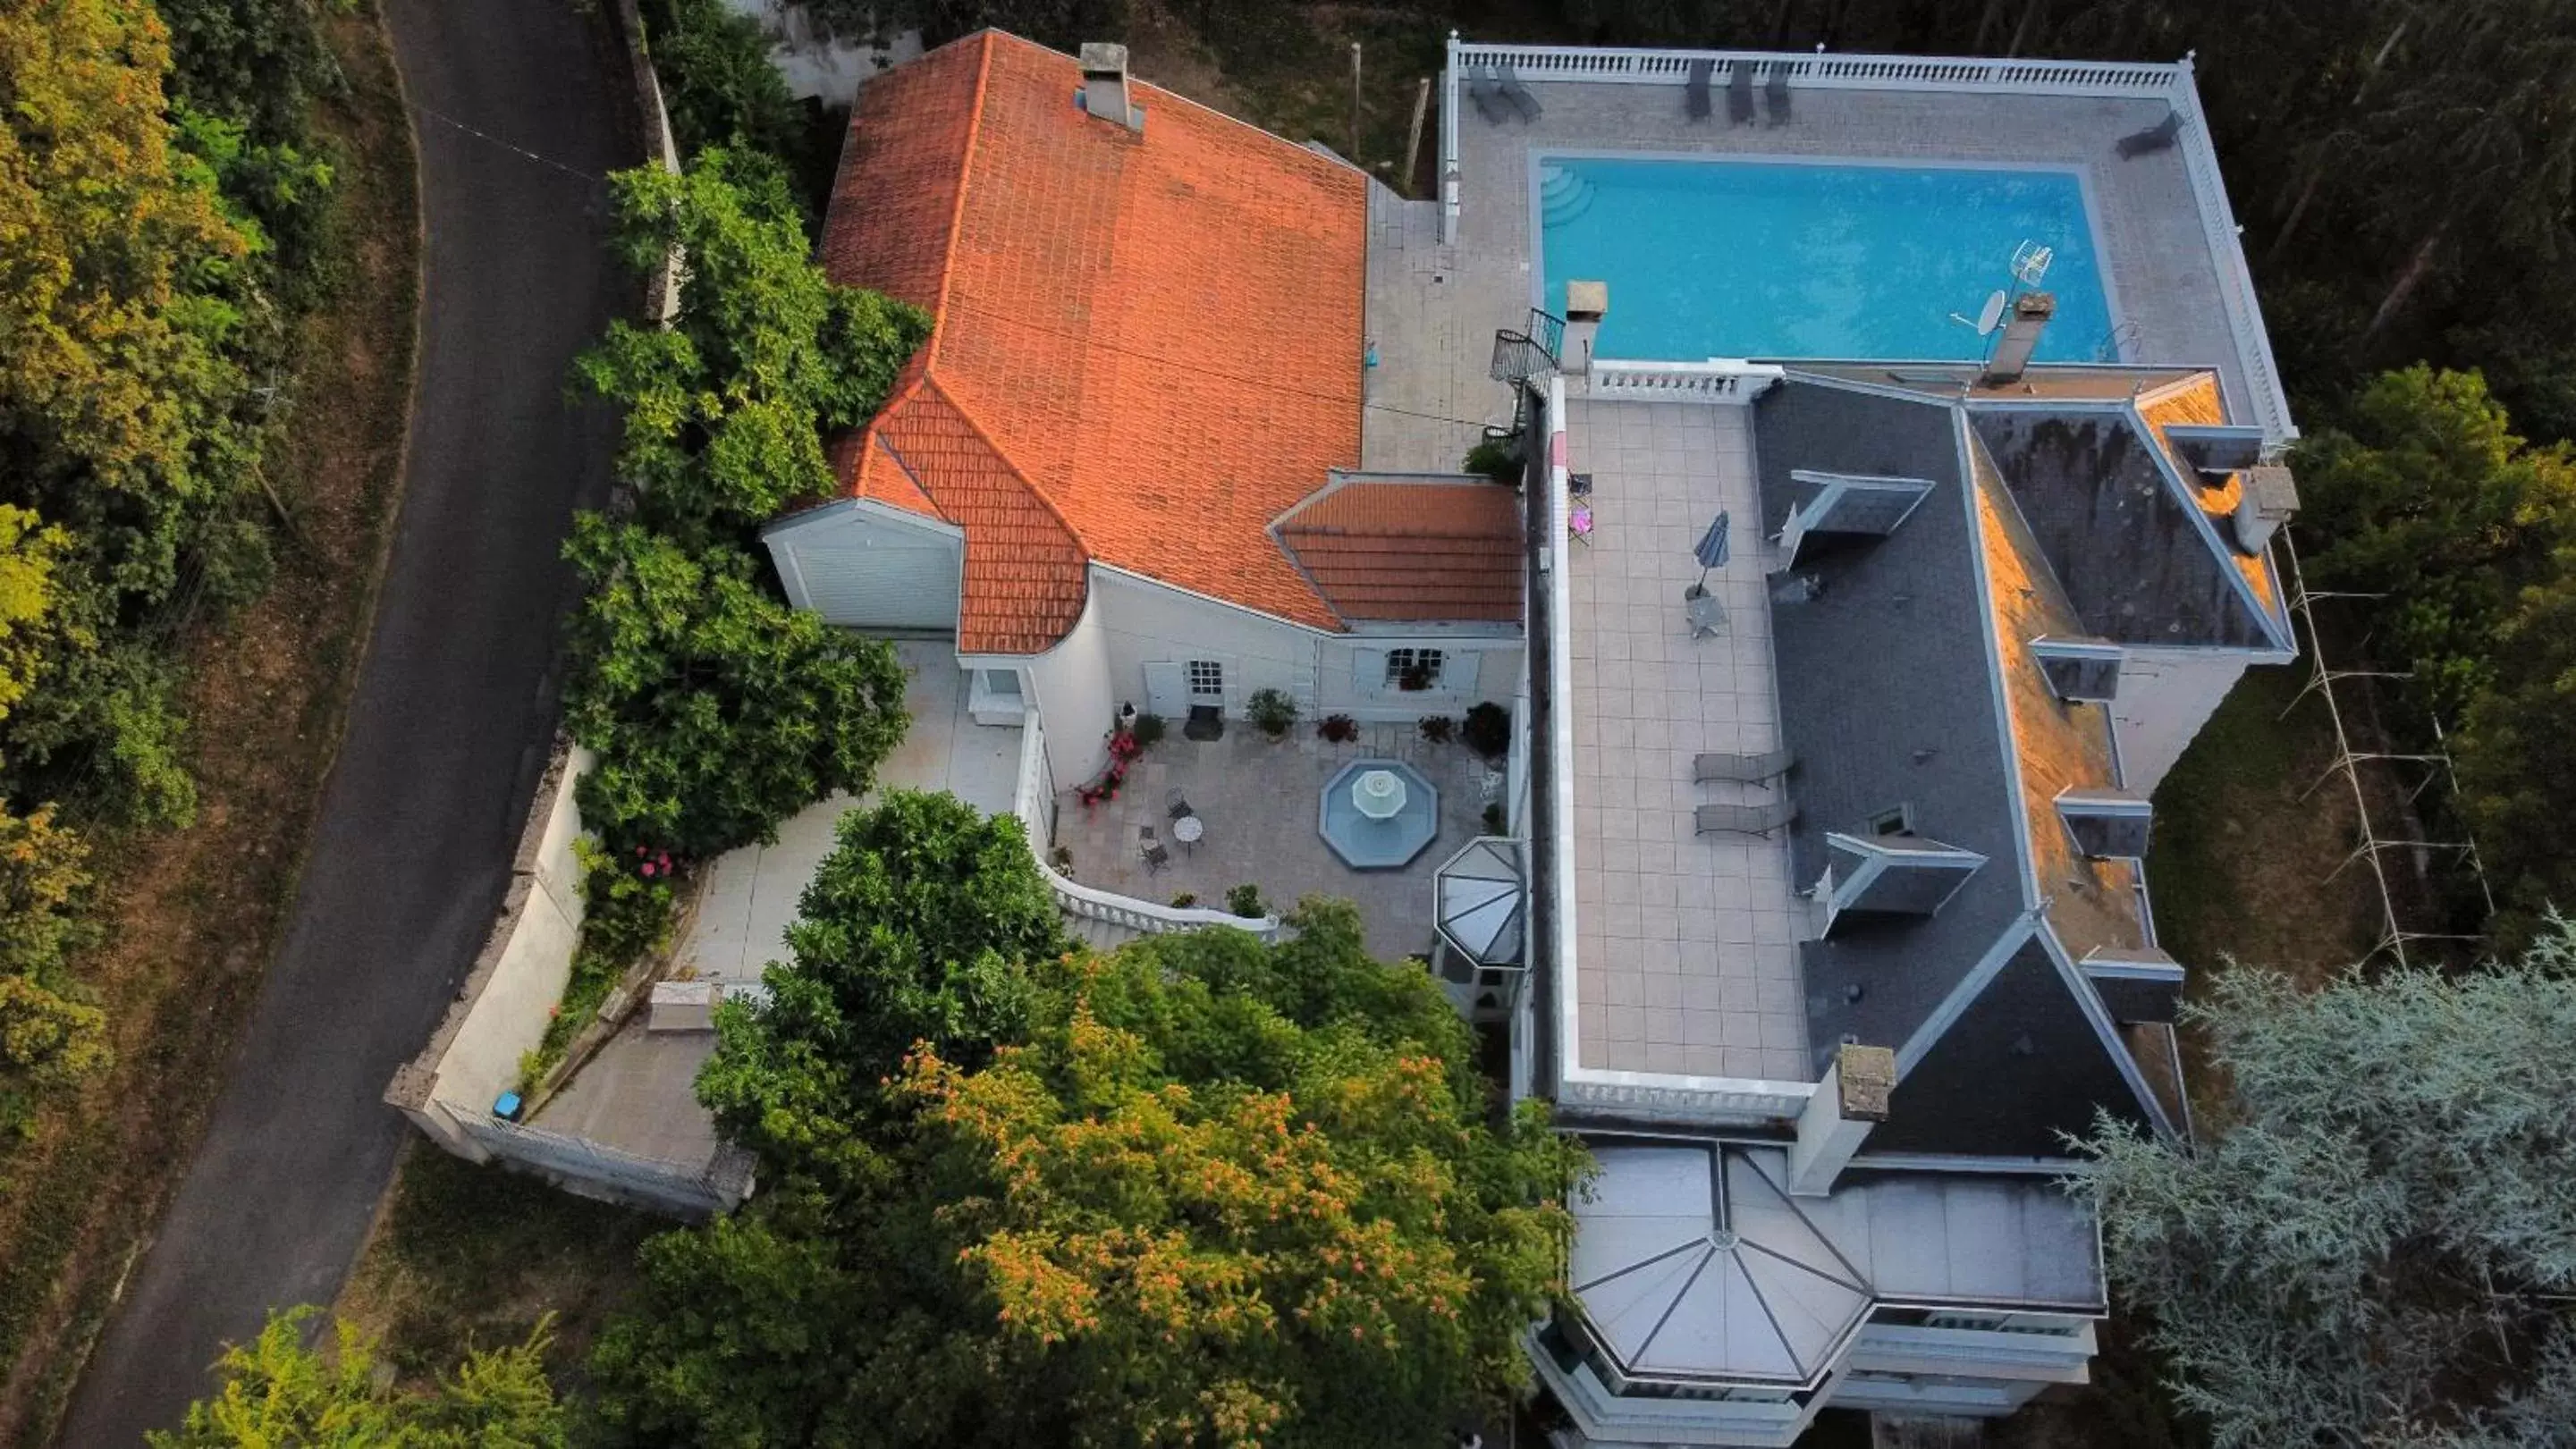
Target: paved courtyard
x=1258, y=797
x=636, y=1095
x=1685, y=950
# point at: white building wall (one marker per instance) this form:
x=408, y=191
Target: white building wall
x=863, y=565
x=1070, y=687
x=2166, y=695
x=1148, y=622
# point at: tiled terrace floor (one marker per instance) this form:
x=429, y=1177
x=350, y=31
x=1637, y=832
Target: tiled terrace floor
x=1433, y=309
x=1258, y=798
x=1685, y=945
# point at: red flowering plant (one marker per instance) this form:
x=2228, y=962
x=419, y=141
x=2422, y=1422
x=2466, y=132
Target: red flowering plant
x=1123, y=750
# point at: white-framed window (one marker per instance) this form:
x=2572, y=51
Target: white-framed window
x=1207, y=679
x=1413, y=669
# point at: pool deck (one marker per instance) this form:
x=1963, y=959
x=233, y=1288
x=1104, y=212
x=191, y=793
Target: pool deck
x=1433, y=308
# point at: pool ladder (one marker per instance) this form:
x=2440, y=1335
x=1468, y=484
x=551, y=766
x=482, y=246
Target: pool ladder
x=1562, y=195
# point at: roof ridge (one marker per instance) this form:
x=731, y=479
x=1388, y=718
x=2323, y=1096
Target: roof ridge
x=957, y=213
x=984, y=435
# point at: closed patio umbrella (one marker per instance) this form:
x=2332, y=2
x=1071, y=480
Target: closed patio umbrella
x=1712, y=549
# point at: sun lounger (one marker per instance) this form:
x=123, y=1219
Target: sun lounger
x=1775, y=94
x=1487, y=95
x=1743, y=769
x=2154, y=138
x=1739, y=93
x=1695, y=91
x=1514, y=93
x=1759, y=819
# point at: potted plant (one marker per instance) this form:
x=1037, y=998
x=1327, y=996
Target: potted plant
x=1437, y=728
x=1414, y=679
x=1245, y=901
x=1337, y=729
x=1488, y=730
x=1271, y=711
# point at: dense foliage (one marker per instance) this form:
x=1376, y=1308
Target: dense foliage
x=163, y=206
x=914, y=930
x=2467, y=535
x=1203, y=1191
x=727, y=407
x=2379, y=1245
x=716, y=710
x=717, y=83
x=276, y=1392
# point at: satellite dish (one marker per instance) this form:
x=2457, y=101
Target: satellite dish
x=1988, y=317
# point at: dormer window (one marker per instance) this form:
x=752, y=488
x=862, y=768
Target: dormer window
x=1847, y=503
x=2106, y=824
x=2137, y=984
x=2080, y=669
x=1895, y=874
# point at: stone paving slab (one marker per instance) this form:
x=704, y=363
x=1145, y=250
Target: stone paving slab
x=1257, y=798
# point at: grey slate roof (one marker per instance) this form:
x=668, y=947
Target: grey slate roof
x=1901, y=664
x=2136, y=558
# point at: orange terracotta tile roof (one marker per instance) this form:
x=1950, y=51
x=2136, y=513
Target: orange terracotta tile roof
x=1145, y=347
x=1382, y=549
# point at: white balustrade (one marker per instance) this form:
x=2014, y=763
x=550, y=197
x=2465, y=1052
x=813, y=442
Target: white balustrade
x=1723, y=1101
x=1724, y=380
x=1072, y=897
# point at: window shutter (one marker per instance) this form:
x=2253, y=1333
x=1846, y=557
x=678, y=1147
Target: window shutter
x=1368, y=670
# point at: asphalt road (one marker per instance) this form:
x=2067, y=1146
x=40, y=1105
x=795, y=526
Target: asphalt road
x=454, y=706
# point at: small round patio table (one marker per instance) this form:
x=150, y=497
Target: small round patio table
x=1187, y=831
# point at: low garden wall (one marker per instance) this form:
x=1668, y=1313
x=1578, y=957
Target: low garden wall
x=508, y=997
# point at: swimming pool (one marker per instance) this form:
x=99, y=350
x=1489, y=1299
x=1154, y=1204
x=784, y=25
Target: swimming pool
x=1789, y=259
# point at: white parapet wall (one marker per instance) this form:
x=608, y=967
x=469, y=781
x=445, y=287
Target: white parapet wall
x=511, y=992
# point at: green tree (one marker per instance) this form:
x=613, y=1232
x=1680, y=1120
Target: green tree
x=914, y=929
x=49, y=1037
x=2378, y=1246
x=716, y=710
x=726, y=408
x=718, y=83
x=275, y=1393
x=2427, y=496
x=1219, y=1192
x=2516, y=756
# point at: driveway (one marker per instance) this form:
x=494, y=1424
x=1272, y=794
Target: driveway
x=453, y=708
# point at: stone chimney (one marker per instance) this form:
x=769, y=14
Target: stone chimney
x=1848, y=1102
x=2268, y=499
x=1104, y=85
x=1586, y=303
x=2030, y=313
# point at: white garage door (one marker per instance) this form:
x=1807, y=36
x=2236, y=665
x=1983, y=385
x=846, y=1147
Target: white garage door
x=883, y=582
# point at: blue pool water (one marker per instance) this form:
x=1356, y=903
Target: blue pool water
x=1768, y=259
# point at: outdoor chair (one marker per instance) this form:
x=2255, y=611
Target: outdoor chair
x=1775, y=94
x=1514, y=93
x=2153, y=139
x=1152, y=850
x=1759, y=819
x=1175, y=804
x=1739, y=93
x=1486, y=93
x=1578, y=485
x=1695, y=91
x=1742, y=769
